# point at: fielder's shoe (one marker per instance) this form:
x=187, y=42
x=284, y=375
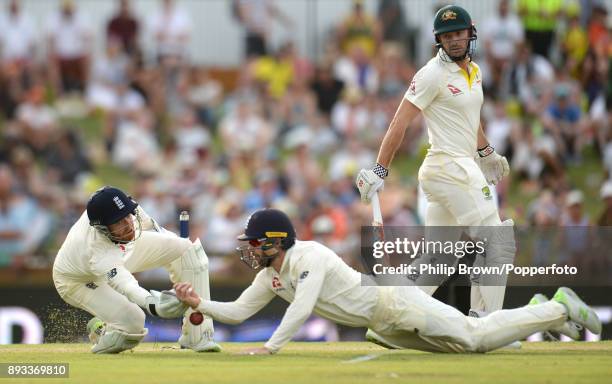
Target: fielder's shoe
x=577, y=310
x=373, y=337
x=95, y=329
x=569, y=328
x=204, y=345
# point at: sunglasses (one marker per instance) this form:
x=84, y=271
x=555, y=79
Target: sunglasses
x=255, y=243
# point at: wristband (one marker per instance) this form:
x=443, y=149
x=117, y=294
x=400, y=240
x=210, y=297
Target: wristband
x=380, y=171
x=486, y=151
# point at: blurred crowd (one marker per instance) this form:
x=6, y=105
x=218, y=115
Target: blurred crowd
x=287, y=131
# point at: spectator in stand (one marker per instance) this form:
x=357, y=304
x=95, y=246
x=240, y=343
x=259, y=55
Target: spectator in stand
x=503, y=36
x=67, y=160
x=125, y=28
x=357, y=69
x=171, y=28
x=256, y=16
x=327, y=88
x=17, y=40
x=37, y=120
x=574, y=45
x=189, y=135
x=136, y=145
x=70, y=40
x=392, y=19
x=605, y=218
x=539, y=22
x=575, y=236
x=563, y=120
x=23, y=225
x=108, y=72
x=359, y=29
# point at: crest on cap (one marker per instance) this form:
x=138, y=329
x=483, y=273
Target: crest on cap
x=449, y=15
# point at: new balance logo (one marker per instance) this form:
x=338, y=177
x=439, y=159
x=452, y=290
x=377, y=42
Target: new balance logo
x=454, y=90
x=118, y=202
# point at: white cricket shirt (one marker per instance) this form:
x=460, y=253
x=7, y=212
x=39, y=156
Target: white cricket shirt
x=450, y=101
x=88, y=256
x=312, y=278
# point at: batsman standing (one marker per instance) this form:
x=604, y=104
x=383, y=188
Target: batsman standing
x=313, y=278
x=460, y=164
x=93, y=271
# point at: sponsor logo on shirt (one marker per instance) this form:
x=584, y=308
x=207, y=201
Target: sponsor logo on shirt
x=486, y=191
x=412, y=88
x=276, y=284
x=454, y=90
x=303, y=275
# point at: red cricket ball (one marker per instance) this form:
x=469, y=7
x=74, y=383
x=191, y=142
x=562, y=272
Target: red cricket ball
x=196, y=318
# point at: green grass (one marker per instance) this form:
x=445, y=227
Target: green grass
x=324, y=363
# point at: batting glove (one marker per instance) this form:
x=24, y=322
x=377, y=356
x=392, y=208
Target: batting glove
x=493, y=165
x=369, y=181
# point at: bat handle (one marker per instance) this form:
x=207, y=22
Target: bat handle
x=377, y=219
x=184, y=224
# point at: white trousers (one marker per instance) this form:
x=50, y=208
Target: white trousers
x=409, y=318
x=457, y=192
x=458, y=195
x=151, y=250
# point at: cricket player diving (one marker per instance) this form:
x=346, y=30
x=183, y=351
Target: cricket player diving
x=459, y=165
x=313, y=278
x=93, y=271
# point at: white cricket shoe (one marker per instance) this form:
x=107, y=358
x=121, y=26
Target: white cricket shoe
x=204, y=345
x=373, y=337
x=577, y=310
x=569, y=328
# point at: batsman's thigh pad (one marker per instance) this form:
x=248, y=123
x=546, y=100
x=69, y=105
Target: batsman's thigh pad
x=459, y=185
x=155, y=249
x=116, y=341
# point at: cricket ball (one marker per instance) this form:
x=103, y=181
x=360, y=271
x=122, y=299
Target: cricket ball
x=196, y=318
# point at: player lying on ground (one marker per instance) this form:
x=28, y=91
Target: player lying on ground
x=313, y=278
x=93, y=271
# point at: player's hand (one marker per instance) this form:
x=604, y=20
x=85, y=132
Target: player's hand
x=186, y=294
x=256, y=351
x=494, y=166
x=368, y=184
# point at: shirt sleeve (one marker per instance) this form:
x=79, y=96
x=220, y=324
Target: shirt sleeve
x=108, y=262
x=423, y=88
x=253, y=299
x=311, y=274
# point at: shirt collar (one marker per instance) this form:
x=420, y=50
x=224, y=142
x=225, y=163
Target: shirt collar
x=285, y=264
x=452, y=66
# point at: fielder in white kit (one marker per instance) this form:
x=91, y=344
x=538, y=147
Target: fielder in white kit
x=314, y=279
x=93, y=271
x=460, y=164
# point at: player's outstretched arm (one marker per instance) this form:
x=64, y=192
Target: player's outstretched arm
x=253, y=299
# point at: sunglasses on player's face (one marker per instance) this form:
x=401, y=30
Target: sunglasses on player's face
x=256, y=242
